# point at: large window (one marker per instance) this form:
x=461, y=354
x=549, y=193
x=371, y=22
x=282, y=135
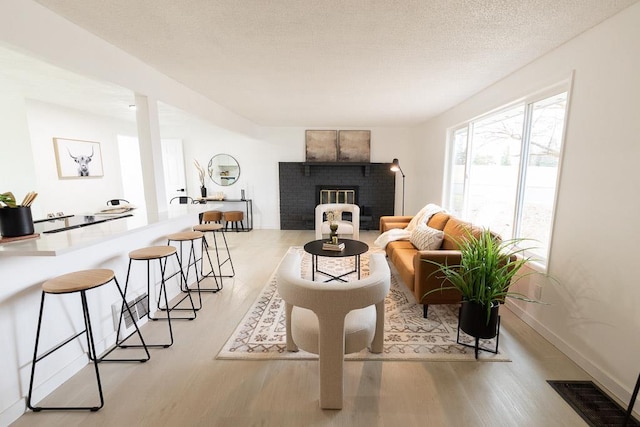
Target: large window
x=504, y=166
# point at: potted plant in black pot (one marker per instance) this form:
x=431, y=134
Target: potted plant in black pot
x=16, y=220
x=487, y=268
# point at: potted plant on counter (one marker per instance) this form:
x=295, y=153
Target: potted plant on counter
x=487, y=268
x=16, y=220
x=8, y=199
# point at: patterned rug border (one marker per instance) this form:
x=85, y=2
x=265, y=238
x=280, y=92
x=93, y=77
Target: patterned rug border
x=399, y=308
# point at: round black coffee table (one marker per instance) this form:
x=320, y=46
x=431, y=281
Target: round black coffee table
x=353, y=248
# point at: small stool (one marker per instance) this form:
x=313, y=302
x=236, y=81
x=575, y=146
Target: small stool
x=233, y=217
x=211, y=216
x=207, y=227
x=214, y=228
x=161, y=254
x=80, y=281
x=188, y=237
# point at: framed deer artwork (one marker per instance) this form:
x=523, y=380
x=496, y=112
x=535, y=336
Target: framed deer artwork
x=78, y=159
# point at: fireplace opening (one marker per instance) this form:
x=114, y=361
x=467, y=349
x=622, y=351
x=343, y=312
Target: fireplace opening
x=336, y=194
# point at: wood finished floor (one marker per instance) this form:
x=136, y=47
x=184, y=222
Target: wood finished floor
x=186, y=386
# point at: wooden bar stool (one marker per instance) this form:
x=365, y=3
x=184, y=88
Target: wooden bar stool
x=233, y=217
x=80, y=281
x=161, y=254
x=211, y=216
x=214, y=229
x=206, y=220
x=188, y=237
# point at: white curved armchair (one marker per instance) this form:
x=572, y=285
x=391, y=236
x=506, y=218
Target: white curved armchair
x=344, y=227
x=334, y=319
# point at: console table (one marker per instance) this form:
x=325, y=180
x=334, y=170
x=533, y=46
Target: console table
x=248, y=208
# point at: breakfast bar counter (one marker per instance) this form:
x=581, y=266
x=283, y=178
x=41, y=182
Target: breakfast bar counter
x=26, y=264
x=57, y=243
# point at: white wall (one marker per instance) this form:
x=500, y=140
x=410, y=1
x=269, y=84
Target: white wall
x=47, y=121
x=259, y=159
x=593, y=316
x=17, y=173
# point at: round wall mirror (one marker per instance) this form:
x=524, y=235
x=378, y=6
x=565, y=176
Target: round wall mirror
x=224, y=169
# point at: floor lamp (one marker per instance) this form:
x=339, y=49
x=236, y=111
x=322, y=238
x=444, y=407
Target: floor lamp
x=395, y=167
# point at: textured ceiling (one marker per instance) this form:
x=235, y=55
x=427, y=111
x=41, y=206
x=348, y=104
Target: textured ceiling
x=336, y=62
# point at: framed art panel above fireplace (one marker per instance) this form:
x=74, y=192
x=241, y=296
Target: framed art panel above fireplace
x=354, y=146
x=321, y=145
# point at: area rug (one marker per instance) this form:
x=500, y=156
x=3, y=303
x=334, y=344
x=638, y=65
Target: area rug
x=408, y=336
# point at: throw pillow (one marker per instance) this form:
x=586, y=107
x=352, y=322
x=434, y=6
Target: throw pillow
x=426, y=238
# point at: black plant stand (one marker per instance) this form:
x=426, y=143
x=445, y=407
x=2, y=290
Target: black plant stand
x=634, y=396
x=477, y=343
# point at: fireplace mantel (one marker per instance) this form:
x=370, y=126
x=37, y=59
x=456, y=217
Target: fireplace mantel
x=366, y=167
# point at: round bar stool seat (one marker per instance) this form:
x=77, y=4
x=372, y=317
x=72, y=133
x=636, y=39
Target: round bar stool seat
x=78, y=281
x=184, y=236
x=234, y=217
x=203, y=228
x=152, y=252
x=212, y=216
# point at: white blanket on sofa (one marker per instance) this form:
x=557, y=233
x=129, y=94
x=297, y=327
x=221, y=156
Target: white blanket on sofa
x=394, y=234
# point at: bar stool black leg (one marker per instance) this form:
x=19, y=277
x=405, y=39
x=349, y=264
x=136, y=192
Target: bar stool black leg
x=91, y=345
x=229, y=260
x=175, y=307
x=205, y=250
x=92, y=356
x=35, y=357
x=184, y=279
x=135, y=324
x=162, y=285
x=192, y=256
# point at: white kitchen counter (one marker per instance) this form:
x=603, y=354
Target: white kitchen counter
x=25, y=265
x=52, y=244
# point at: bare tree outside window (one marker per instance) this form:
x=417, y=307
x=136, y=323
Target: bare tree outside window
x=504, y=169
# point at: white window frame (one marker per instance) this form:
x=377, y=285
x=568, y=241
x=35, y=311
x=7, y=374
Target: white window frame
x=540, y=263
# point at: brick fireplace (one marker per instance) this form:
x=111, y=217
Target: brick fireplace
x=301, y=184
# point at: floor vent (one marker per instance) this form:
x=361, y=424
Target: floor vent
x=139, y=307
x=592, y=404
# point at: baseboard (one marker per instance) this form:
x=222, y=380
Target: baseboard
x=13, y=412
x=613, y=387
x=43, y=389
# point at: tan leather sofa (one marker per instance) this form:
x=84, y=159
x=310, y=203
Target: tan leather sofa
x=418, y=275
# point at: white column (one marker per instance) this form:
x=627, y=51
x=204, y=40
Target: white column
x=155, y=193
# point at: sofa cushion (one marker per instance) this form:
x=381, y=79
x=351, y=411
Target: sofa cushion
x=402, y=259
x=457, y=231
x=426, y=238
x=399, y=244
x=421, y=217
x=438, y=221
